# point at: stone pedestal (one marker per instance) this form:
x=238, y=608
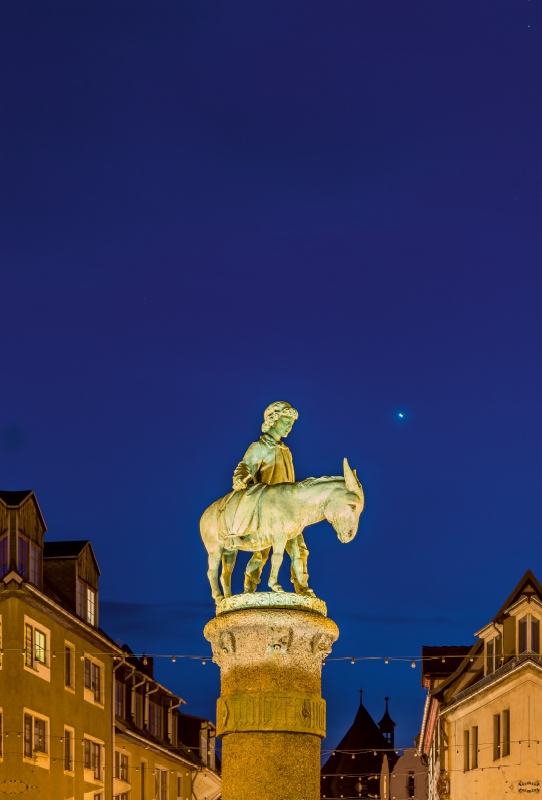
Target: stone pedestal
x=270, y=714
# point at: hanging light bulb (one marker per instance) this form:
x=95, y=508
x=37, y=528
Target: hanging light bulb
x=144, y=661
x=443, y=659
x=174, y=659
x=386, y=660
x=413, y=665
x=353, y=660
x=203, y=662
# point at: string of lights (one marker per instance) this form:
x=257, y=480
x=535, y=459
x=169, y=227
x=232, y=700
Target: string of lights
x=352, y=659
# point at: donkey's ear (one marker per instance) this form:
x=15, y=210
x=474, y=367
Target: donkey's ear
x=350, y=479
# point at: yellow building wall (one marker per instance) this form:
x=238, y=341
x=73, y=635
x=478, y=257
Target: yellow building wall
x=521, y=694
x=139, y=754
x=43, y=692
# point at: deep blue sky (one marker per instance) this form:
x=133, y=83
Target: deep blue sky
x=210, y=205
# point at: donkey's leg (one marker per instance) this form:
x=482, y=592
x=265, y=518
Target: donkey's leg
x=299, y=554
x=228, y=563
x=254, y=569
x=276, y=561
x=212, y=573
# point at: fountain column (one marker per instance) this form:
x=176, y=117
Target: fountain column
x=270, y=715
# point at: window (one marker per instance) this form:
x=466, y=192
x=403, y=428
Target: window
x=22, y=556
x=160, y=784
x=411, y=785
x=80, y=599
x=123, y=796
x=91, y=603
x=68, y=749
x=155, y=719
x=490, y=656
x=143, y=780
x=93, y=758
x=119, y=699
x=474, y=748
x=522, y=635
x=121, y=766
x=203, y=733
x=535, y=635
x=35, y=646
x=35, y=735
x=506, y=732
x=496, y=736
x=138, y=709
x=93, y=679
x=35, y=564
x=466, y=751
x=86, y=603
x=69, y=666
x=39, y=646
x=4, y=555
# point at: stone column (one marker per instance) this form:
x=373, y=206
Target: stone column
x=270, y=714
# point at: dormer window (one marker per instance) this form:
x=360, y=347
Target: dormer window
x=86, y=603
x=28, y=560
x=4, y=555
x=493, y=654
x=528, y=634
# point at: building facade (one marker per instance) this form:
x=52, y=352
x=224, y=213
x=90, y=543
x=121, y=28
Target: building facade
x=482, y=725
x=81, y=718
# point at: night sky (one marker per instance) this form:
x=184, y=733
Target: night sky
x=207, y=206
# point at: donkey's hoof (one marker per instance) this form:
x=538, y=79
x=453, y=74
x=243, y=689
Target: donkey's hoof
x=276, y=588
x=307, y=592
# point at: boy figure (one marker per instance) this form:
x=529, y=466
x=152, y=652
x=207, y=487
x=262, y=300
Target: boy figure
x=269, y=461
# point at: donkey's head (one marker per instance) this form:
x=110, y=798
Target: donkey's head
x=345, y=504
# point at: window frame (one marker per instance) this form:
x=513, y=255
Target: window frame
x=496, y=737
x=69, y=750
x=94, y=692
x=31, y=754
x=69, y=669
x=466, y=750
x=120, y=707
x=91, y=747
x=474, y=747
x=4, y=555
x=32, y=663
x=161, y=782
x=23, y=549
x=505, y=732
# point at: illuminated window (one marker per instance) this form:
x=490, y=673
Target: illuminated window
x=91, y=602
x=35, y=646
x=4, y=555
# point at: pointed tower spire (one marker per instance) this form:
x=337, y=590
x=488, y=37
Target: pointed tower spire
x=387, y=727
x=361, y=697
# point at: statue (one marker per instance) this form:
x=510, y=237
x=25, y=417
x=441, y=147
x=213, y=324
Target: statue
x=272, y=513
x=268, y=461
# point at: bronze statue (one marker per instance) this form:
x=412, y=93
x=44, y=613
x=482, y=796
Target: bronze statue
x=272, y=513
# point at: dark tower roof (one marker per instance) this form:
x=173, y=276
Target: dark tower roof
x=386, y=724
x=359, y=755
